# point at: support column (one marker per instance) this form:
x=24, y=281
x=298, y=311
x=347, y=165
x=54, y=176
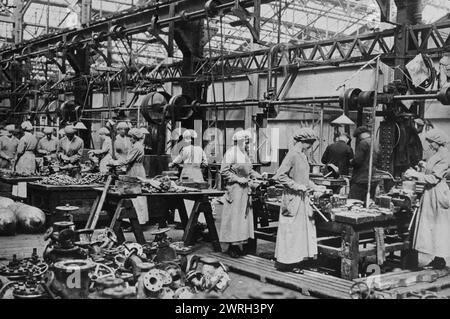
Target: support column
x=18, y=21
x=79, y=60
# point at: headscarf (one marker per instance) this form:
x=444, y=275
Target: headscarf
x=189, y=134
x=103, y=131
x=241, y=135
x=69, y=129
x=48, y=130
x=437, y=136
x=26, y=126
x=123, y=125
x=137, y=133
x=305, y=134
x=361, y=129
x=10, y=128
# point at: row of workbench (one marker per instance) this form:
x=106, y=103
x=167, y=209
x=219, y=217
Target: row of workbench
x=349, y=237
x=116, y=207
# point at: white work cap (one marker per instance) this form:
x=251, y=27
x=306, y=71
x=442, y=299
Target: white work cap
x=241, y=135
x=26, y=126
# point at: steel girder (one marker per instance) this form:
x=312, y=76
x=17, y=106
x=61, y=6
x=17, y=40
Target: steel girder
x=430, y=39
x=132, y=21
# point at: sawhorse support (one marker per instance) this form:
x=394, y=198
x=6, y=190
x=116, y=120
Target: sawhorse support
x=202, y=206
x=125, y=209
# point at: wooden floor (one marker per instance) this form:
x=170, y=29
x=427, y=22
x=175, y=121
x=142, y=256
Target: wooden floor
x=308, y=283
x=21, y=245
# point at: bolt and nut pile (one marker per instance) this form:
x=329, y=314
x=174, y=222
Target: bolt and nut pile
x=65, y=180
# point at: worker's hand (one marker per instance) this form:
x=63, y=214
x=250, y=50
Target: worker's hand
x=410, y=173
x=64, y=158
x=264, y=175
x=91, y=152
x=171, y=165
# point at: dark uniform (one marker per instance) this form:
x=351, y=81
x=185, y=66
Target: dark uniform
x=360, y=176
x=339, y=154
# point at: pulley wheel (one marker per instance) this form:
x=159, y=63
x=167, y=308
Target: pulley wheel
x=444, y=95
x=181, y=107
x=154, y=107
x=365, y=98
x=350, y=97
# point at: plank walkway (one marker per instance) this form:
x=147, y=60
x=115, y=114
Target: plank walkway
x=310, y=283
x=405, y=283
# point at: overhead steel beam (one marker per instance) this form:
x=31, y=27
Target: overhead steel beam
x=135, y=20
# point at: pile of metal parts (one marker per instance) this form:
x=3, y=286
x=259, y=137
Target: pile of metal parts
x=11, y=174
x=66, y=180
x=80, y=264
x=163, y=184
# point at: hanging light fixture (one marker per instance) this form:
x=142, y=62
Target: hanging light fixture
x=80, y=126
x=343, y=120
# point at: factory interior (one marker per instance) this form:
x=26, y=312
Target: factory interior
x=224, y=149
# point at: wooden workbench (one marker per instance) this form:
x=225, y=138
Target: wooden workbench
x=9, y=182
x=48, y=197
x=202, y=205
x=352, y=236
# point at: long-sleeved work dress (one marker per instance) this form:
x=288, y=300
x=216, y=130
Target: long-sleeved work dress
x=26, y=162
x=72, y=149
x=296, y=236
x=192, y=157
x=135, y=168
x=8, y=150
x=70, y=152
x=432, y=231
x=122, y=146
x=48, y=147
x=105, y=153
x=237, y=215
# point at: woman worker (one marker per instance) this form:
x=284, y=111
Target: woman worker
x=26, y=159
x=105, y=153
x=296, y=236
x=432, y=235
x=122, y=142
x=70, y=150
x=48, y=145
x=135, y=168
x=236, y=225
x=8, y=147
x=193, y=158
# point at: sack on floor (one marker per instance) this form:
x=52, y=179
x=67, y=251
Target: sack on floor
x=8, y=222
x=30, y=219
x=5, y=202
